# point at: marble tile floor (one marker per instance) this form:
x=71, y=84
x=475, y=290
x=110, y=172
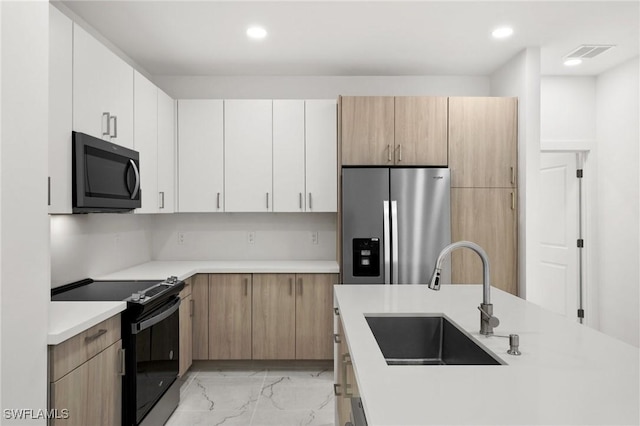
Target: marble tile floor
x=270, y=396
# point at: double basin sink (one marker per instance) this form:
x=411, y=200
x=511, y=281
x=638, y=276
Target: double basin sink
x=427, y=340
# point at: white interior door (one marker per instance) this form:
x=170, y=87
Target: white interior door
x=557, y=289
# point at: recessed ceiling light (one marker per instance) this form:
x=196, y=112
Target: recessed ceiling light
x=502, y=32
x=256, y=33
x=572, y=62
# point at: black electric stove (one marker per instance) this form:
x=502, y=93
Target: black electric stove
x=150, y=337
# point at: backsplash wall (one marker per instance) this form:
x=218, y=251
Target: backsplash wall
x=90, y=245
x=278, y=236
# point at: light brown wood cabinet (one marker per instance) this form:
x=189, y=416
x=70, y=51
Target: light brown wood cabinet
x=483, y=134
x=345, y=386
x=388, y=131
x=314, y=315
x=86, y=376
x=200, y=296
x=274, y=316
x=186, y=327
x=230, y=298
x=488, y=217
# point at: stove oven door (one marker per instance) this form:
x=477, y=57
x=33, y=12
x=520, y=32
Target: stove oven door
x=156, y=353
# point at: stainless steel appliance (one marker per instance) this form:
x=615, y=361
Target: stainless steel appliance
x=105, y=176
x=150, y=337
x=395, y=221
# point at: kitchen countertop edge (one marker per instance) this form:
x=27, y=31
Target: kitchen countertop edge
x=67, y=319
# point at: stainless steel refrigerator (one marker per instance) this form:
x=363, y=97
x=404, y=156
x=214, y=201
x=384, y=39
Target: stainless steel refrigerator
x=395, y=222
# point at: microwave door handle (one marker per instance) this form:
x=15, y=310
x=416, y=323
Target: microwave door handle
x=137, y=187
x=143, y=325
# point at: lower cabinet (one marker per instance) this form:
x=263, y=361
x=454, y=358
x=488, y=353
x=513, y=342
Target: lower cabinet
x=230, y=316
x=86, y=377
x=488, y=217
x=186, y=328
x=345, y=386
x=262, y=316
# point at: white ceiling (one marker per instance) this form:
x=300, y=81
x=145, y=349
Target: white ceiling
x=360, y=37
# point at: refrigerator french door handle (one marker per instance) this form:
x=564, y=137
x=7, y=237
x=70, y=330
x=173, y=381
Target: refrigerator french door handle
x=387, y=242
x=394, y=241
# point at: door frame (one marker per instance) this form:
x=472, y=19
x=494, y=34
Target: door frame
x=586, y=162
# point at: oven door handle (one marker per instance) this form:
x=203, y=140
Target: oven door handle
x=162, y=315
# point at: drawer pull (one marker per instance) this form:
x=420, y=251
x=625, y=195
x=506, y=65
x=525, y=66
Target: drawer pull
x=123, y=365
x=336, y=338
x=335, y=389
x=95, y=336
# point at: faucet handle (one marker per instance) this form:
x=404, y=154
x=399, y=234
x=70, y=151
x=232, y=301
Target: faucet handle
x=489, y=318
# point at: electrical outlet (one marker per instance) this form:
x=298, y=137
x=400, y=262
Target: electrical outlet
x=180, y=238
x=251, y=237
x=314, y=237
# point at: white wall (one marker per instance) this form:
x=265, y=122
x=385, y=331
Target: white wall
x=568, y=109
x=521, y=77
x=319, y=87
x=90, y=245
x=278, y=236
x=618, y=212
x=24, y=248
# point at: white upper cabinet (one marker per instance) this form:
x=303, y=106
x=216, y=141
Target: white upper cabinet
x=145, y=140
x=166, y=153
x=321, y=133
x=200, y=156
x=60, y=110
x=288, y=156
x=102, y=91
x=248, y=144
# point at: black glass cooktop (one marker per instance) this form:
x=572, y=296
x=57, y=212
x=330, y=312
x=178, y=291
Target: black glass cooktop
x=100, y=290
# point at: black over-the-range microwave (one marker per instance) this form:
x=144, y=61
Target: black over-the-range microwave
x=106, y=176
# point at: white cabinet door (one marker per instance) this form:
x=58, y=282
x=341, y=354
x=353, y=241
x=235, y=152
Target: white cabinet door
x=288, y=156
x=166, y=153
x=145, y=140
x=60, y=110
x=248, y=155
x=102, y=84
x=321, y=155
x=200, y=156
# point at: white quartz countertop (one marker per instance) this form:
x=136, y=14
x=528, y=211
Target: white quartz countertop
x=66, y=319
x=567, y=373
x=159, y=270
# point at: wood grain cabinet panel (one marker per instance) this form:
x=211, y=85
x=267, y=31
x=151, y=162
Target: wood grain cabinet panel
x=186, y=328
x=420, y=131
x=314, y=316
x=488, y=217
x=367, y=130
x=230, y=316
x=274, y=316
x=200, y=296
x=483, y=142
x=92, y=393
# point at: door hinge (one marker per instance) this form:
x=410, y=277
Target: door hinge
x=580, y=313
x=579, y=173
x=580, y=243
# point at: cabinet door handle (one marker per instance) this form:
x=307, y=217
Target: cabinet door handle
x=335, y=389
x=399, y=148
x=300, y=286
x=267, y=201
x=336, y=338
x=346, y=360
x=161, y=200
x=388, y=153
x=246, y=286
x=95, y=336
x=108, y=117
x=513, y=175
x=218, y=201
x=513, y=201
x=115, y=126
x=310, y=202
x=192, y=307
x=49, y=190
x=123, y=363
x=336, y=311
x=300, y=200
x=290, y=286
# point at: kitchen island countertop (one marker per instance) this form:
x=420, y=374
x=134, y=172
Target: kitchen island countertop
x=567, y=374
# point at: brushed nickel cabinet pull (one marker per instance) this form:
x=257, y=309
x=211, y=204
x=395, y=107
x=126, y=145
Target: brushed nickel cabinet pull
x=310, y=202
x=123, y=364
x=346, y=360
x=335, y=389
x=161, y=200
x=115, y=126
x=399, y=153
x=267, y=201
x=108, y=121
x=95, y=336
x=388, y=153
x=300, y=200
x=336, y=338
x=336, y=311
x=513, y=201
x=513, y=175
x=218, y=201
x=246, y=286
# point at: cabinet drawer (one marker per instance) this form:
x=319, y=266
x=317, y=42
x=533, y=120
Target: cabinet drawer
x=72, y=352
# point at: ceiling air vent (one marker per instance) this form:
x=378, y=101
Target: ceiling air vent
x=588, y=51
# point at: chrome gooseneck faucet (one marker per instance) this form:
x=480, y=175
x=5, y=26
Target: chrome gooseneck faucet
x=487, y=320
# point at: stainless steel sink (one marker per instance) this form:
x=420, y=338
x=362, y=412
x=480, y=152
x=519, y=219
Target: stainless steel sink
x=427, y=340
